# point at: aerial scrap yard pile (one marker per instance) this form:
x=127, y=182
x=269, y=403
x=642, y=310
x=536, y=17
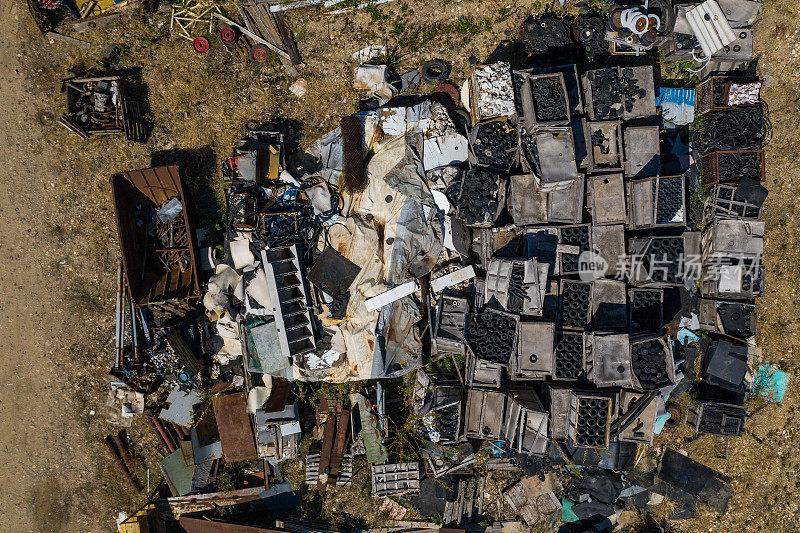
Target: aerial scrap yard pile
x=525, y=255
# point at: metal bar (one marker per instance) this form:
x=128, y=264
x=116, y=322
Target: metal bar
x=164, y=435
x=134, y=334
x=118, y=351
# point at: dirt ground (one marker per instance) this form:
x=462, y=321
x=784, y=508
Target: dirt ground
x=58, y=241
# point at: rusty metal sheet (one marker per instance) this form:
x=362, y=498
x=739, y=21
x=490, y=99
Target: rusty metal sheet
x=235, y=428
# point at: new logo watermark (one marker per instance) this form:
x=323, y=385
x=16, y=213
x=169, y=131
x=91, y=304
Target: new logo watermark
x=591, y=266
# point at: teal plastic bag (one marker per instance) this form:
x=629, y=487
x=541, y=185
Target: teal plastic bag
x=770, y=383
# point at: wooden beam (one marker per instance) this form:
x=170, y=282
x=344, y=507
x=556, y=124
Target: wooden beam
x=71, y=40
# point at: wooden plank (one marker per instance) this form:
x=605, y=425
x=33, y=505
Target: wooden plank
x=252, y=35
x=338, y=442
x=327, y=446
x=71, y=40
x=279, y=395
x=96, y=23
x=266, y=22
x=289, y=44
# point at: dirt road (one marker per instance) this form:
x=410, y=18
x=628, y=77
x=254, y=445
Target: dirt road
x=47, y=468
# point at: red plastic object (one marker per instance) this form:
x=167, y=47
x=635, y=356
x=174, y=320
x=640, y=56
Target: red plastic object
x=259, y=54
x=201, y=45
x=227, y=35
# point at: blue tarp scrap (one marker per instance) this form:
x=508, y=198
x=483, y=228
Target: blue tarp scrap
x=770, y=383
x=676, y=106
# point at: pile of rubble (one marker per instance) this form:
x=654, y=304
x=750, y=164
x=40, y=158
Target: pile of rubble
x=521, y=251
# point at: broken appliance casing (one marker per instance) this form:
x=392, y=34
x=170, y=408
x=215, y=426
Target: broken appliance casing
x=289, y=302
x=278, y=434
x=482, y=373
x=611, y=360
x=714, y=418
x=497, y=286
x=642, y=428
x=525, y=423
x=529, y=204
x=609, y=306
x=556, y=167
x=737, y=319
x=450, y=325
x=667, y=269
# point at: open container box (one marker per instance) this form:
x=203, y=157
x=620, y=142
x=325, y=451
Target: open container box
x=712, y=93
x=722, y=203
x=531, y=113
x=484, y=106
x=148, y=280
x=710, y=165
x=614, y=160
x=658, y=202
x=642, y=107
x=125, y=113
x=511, y=154
x=514, y=338
x=666, y=346
x=593, y=412
x=500, y=197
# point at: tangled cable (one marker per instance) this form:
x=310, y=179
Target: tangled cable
x=734, y=128
x=282, y=220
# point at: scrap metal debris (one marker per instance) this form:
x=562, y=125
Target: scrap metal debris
x=455, y=297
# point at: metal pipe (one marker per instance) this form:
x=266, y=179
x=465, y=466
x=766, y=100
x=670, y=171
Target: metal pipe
x=145, y=328
x=159, y=437
x=122, y=327
x=167, y=438
x=123, y=449
x=118, y=458
x=118, y=353
x=134, y=334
